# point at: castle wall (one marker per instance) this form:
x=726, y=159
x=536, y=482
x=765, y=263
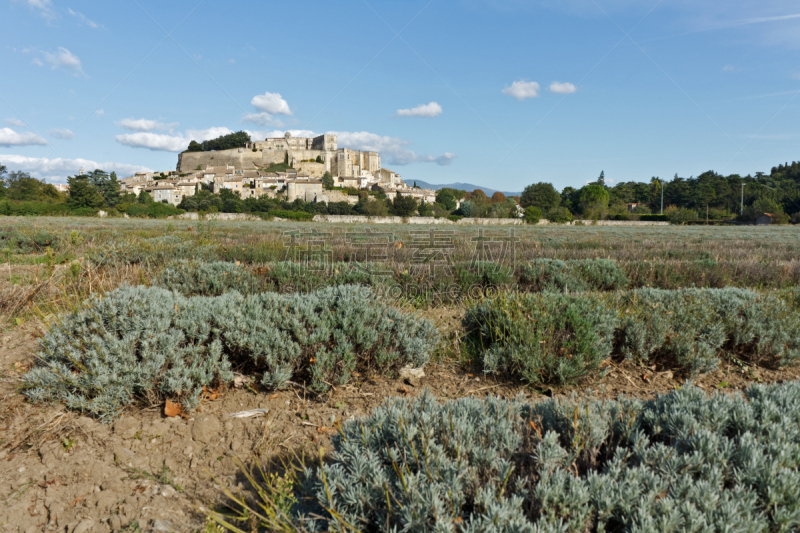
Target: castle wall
x=339, y=162
x=315, y=170
x=299, y=155
x=325, y=142
x=240, y=158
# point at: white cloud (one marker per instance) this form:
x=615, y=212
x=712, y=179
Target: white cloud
x=392, y=148
x=755, y=20
x=154, y=141
x=9, y=137
x=259, y=135
x=44, y=7
x=210, y=133
x=262, y=119
x=271, y=103
x=100, y=112
x=562, y=88
x=39, y=4
x=61, y=133
x=15, y=122
x=522, y=89
x=57, y=170
x=423, y=110
x=444, y=159
x=730, y=68
x=169, y=143
x=63, y=58
x=143, y=124
x=81, y=17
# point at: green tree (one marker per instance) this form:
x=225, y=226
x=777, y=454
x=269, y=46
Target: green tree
x=3, y=174
x=21, y=187
x=107, y=185
x=82, y=193
x=680, y=215
x=593, y=200
x=327, y=180
x=224, y=142
x=559, y=215
x=468, y=209
x=601, y=180
x=231, y=202
x=766, y=205
x=425, y=210
x=541, y=195
x=446, y=198
x=376, y=208
x=533, y=214
x=145, y=198
x=112, y=193
x=403, y=206
x=457, y=193
x=569, y=199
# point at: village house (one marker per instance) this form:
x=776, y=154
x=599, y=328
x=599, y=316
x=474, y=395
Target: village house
x=166, y=194
x=765, y=219
x=421, y=195
x=306, y=189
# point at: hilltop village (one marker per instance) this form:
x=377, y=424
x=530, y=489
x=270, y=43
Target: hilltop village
x=310, y=169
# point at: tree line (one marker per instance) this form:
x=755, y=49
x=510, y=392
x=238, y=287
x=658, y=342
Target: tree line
x=709, y=195
x=21, y=194
x=224, y=142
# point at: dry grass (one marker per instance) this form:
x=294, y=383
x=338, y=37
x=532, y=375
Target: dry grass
x=48, y=284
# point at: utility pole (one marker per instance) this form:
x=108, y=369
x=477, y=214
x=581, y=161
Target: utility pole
x=741, y=208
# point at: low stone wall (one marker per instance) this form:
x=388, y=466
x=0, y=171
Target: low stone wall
x=357, y=219
x=623, y=223
x=216, y=216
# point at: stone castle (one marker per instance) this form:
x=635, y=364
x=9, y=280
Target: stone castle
x=313, y=155
x=245, y=171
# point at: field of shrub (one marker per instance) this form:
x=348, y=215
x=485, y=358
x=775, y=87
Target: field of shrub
x=681, y=462
x=136, y=313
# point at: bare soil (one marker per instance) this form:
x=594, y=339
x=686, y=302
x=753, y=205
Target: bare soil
x=60, y=471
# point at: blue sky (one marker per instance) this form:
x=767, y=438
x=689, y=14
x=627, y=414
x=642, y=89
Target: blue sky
x=497, y=93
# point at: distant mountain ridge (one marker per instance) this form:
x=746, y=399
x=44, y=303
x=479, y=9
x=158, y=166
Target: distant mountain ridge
x=458, y=185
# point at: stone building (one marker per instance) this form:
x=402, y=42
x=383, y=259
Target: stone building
x=304, y=188
x=765, y=219
x=322, y=143
x=387, y=178
x=320, y=153
x=421, y=195
x=166, y=194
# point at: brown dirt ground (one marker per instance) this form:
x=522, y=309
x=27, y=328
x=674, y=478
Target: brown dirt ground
x=60, y=471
